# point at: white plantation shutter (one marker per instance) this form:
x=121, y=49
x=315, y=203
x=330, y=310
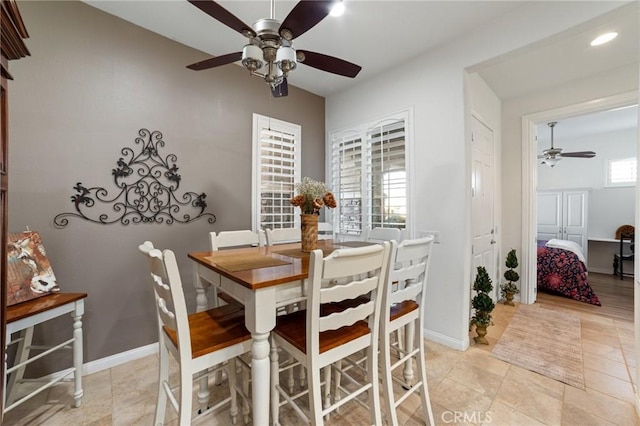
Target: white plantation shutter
x=622, y=172
x=346, y=163
x=276, y=170
x=369, y=176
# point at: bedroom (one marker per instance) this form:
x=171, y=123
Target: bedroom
x=577, y=201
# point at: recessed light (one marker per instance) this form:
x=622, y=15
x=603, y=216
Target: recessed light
x=337, y=9
x=604, y=38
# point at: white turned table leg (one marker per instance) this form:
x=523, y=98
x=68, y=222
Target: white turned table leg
x=260, y=319
x=77, y=352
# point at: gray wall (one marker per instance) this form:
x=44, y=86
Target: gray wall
x=91, y=83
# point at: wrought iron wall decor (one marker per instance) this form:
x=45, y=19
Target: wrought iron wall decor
x=147, y=186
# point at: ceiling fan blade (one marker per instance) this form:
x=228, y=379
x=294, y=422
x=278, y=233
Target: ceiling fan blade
x=281, y=90
x=216, y=61
x=579, y=154
x=304, y=16
x=329, y=63
x=221, y=14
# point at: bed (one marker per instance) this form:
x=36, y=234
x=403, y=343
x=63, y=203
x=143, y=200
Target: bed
x=561, y=270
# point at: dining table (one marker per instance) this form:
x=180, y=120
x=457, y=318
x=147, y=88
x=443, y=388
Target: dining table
x=263, y=279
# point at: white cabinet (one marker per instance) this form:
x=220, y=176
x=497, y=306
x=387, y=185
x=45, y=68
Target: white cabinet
x=563, y=215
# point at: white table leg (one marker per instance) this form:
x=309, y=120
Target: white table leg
x=202, y=304
x=260, y=318
x=77, y=352
x=407, y=372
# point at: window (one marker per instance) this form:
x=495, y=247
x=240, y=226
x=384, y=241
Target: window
x=621, y=172
x=276, y=169
x=369, y=176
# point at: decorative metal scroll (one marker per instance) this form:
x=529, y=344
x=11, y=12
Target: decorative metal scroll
x=147, y=186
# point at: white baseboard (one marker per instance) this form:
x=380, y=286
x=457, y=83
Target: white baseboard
x=460, y=345
x=118, y=359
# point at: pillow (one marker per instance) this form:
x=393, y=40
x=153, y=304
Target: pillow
x=567, y=245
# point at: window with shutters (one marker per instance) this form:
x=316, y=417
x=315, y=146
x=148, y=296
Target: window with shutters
x=369, y=175
x=276, y=169
x=621, y=172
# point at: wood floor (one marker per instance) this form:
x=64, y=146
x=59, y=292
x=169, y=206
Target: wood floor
x=616, y=297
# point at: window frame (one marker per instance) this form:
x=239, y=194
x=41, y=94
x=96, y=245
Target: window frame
x=361, y=131
x=261, y=122
x=607, y=173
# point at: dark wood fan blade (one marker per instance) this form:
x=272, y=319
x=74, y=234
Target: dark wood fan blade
x=305, y=15
x=216, y=62
x=221, y=14
x=330, y=64
x=579, y=154
x=281, y=90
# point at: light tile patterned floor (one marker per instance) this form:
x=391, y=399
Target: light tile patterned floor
x=469, y=388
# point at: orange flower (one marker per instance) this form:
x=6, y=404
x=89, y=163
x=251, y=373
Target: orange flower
x=329, y=200
x=298, y=201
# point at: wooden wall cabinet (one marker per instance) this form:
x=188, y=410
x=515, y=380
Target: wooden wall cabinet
x=12, y=47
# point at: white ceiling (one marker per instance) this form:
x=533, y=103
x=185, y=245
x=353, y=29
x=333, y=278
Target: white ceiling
x=376, y=35
x=379, y=34
x=571, y=129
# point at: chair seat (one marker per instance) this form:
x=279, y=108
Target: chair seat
x=214, y=329
x=402, y=308
x=293, y=328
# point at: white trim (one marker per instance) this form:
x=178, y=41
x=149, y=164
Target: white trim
x=460, y=345
x=529, y=176
x=106, y=363
x=119, y=359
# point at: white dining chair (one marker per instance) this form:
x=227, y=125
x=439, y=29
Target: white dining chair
x=228, y=239
x=405, y=299
x=323, y=334
x=383, y=234
x=197, y=341
x=283, y=236
x=325, y=231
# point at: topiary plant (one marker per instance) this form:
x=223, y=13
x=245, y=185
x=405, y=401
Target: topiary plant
x=510, y=275
x=481, y=302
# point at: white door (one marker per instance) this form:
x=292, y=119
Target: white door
x=563, y=215
x=482, y=204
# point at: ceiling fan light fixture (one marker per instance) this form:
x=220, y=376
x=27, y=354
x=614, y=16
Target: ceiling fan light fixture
x=604, y=38
x=252, y=57
x=551, y=161
x=337, y=9
x=286, y=59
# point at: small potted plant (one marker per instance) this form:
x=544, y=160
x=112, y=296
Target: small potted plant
x=510, y=289
x=482, y=304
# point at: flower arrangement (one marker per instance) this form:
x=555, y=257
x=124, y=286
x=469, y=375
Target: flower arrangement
x=312, y=196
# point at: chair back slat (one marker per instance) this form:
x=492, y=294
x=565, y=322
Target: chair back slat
x=226, y=239
x=283, y=235
x=167, y=317
x=352, y=261
x=384, y=234
x=347, y=317
x=409, y=292
x=339, y=292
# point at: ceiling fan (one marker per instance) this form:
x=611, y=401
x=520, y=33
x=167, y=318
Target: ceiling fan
x=270, y=53
x=552, y=155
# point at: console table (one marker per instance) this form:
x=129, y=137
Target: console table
x=21, y=318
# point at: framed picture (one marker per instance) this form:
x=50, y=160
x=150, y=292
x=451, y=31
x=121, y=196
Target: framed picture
x=29, y=273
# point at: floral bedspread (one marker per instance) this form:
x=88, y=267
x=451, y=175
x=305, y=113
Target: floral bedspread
x=561, y=272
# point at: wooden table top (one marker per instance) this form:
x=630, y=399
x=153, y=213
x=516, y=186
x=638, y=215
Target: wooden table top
x=41, y=304
x=296, y=266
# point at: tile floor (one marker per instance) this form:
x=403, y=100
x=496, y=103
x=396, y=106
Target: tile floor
x=466, y=388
